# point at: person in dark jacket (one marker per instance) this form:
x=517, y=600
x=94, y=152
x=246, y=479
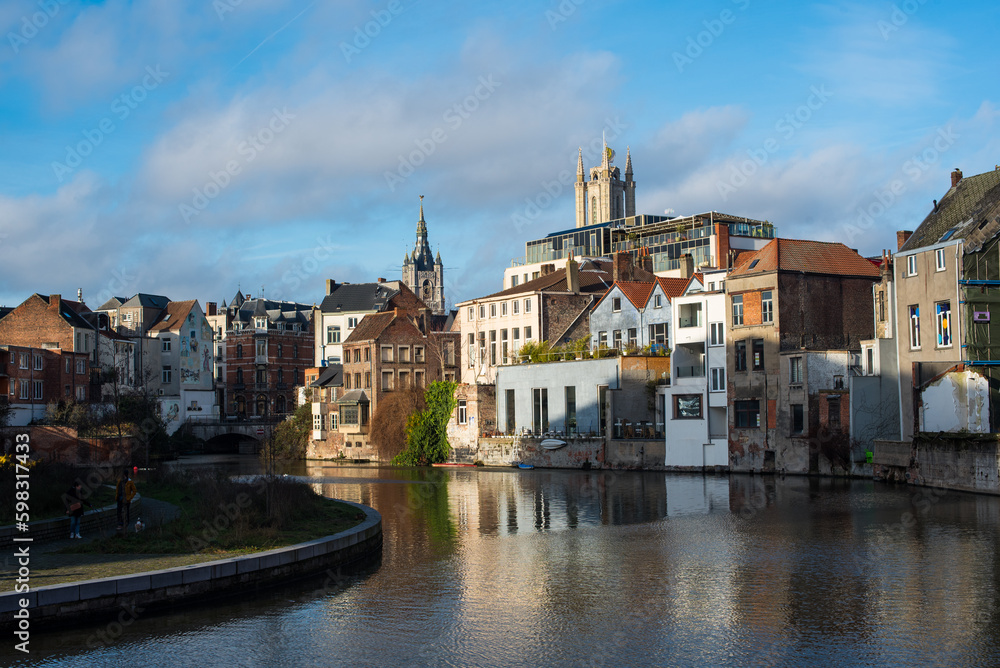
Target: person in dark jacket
x=124, y=493
x=74, y=508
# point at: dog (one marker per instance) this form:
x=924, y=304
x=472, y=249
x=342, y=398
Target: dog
x=139, y=526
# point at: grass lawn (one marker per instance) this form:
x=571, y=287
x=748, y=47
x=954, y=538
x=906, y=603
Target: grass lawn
x=220, y=518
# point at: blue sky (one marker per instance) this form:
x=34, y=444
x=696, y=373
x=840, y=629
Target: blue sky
x=190, y=148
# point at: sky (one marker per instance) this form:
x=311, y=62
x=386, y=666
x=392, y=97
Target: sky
x=191, y=149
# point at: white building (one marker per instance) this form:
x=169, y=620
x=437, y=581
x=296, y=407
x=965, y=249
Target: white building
x=634, y=314
x=695, y=403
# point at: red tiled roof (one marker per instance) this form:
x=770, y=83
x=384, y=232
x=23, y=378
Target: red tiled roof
x=636, y=292
x=178, y=312
x=812, y=257
x=371, y=327
x=675, y=287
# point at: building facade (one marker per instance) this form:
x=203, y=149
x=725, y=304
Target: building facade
x=422, y=273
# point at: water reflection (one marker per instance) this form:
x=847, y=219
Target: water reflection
x=510, y=567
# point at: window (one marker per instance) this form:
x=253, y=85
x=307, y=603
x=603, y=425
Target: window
x=511, y=424
x=69, y=391
x=602, y=339
x=513, y=281
x=717, y=332
x=738, y=310
x=69, y=365
x=281, y=350
x=239, y=376
x=616, y=304
x=349, y=414
x=81, y=393
x=758, y=354
x=333, y=334
x=618, y=339
x=25, y=390
x=794, y=370
x=368, y=354
x=418, y=379
x=633, y=337
x=746, y=414
x=493, y=347
x=602, y=406
x=295, y=351
x=357, y=355
x=418, y=354
x=404, y=353
x=482, y=349
x=515, y=306
x=939, y=260
x=24, y=360
x=334, y=421
x=741, y=355
x=261, y=345
x=527, y=333
x=870, y=361
x=718, y=379
x=911, y=265
x=368, y=380
x=281, y=375
x=386, y=354
x=914, y=327
x=658, y=334
x=687, y=406
x=766, y=307
x=472, y=313
x=239, y=350
x=352, y=323
x=404, y=379
x=317, y=421
x=540, y=414
x=81, y=366
x=503, y=308
x=527, y=306
x=493, y=310
x=472, y=350
x=462, y=412
x=570, y=409
x=833, y=411
x=657, y=301
x=386, y=380
x=798, y=422
x=260, y=323
x=942, y=315
x=503, y=346
x=482, y=311
x=880, y=301
x=347, y=381
x=38, y=362
x=166, y=374
x=38, y=389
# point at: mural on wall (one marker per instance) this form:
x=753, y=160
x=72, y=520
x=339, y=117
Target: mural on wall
x=195, y=356
x=170, y=411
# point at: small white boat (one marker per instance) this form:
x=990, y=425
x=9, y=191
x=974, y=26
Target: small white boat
x=552, y=444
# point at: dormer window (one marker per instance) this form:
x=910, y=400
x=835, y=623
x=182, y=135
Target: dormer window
x=260, y=322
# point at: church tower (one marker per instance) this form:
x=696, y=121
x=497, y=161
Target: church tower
x=423, y=273
x=604, y=196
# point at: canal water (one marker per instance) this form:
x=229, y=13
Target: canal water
x=507, y=567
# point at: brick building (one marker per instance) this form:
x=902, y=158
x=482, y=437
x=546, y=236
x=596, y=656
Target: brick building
x=791, y=295
x=49, y=351
x=389, y=352
x=268, y=347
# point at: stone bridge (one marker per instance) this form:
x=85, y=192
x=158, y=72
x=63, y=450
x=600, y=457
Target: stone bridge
x=243, y=436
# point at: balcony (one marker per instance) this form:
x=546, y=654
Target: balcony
x=282, y=386
x=239, y=386
x=260, y=359
x=696, y=371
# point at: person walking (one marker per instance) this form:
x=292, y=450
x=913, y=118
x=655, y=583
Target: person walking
x=124, y=493
x=74, y=508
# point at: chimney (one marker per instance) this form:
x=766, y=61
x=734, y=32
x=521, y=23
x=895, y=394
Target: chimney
x=331, y=285
x=381, y=280
x=211, y=308
x=646, y=260
x=547, y=269
x=572, y=275
x=956, y=176
x=687, y=265
x=55, y=301
x=79, y=295
x=901, y=237
x=622, y=269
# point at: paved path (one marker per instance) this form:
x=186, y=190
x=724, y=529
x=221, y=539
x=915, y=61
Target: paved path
x=49, y=567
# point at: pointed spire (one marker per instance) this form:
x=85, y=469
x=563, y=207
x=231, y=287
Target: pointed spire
x=628, y=163
x=579, y=166
x=606, y=158
x=421, y=208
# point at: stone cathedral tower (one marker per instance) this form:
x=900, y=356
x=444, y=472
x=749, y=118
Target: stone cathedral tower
x=604, y=196
x=422, y=273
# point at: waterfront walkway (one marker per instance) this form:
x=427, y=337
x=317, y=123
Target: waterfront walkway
x=49, y=567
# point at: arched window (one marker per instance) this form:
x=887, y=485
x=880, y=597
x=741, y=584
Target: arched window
x=239, y=376
x=239, y=350
x=261, y=404
x=279, y=405
x=241, y=406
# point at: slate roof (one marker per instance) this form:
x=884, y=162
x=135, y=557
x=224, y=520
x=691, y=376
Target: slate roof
x=957, y=211
x=596, y=276
x=68, y=313
x=811, y=257
x=352, y=297
x=331, y=376
x=354, y=397
x=173, y=316
x=147, y=301
x=112, y=303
